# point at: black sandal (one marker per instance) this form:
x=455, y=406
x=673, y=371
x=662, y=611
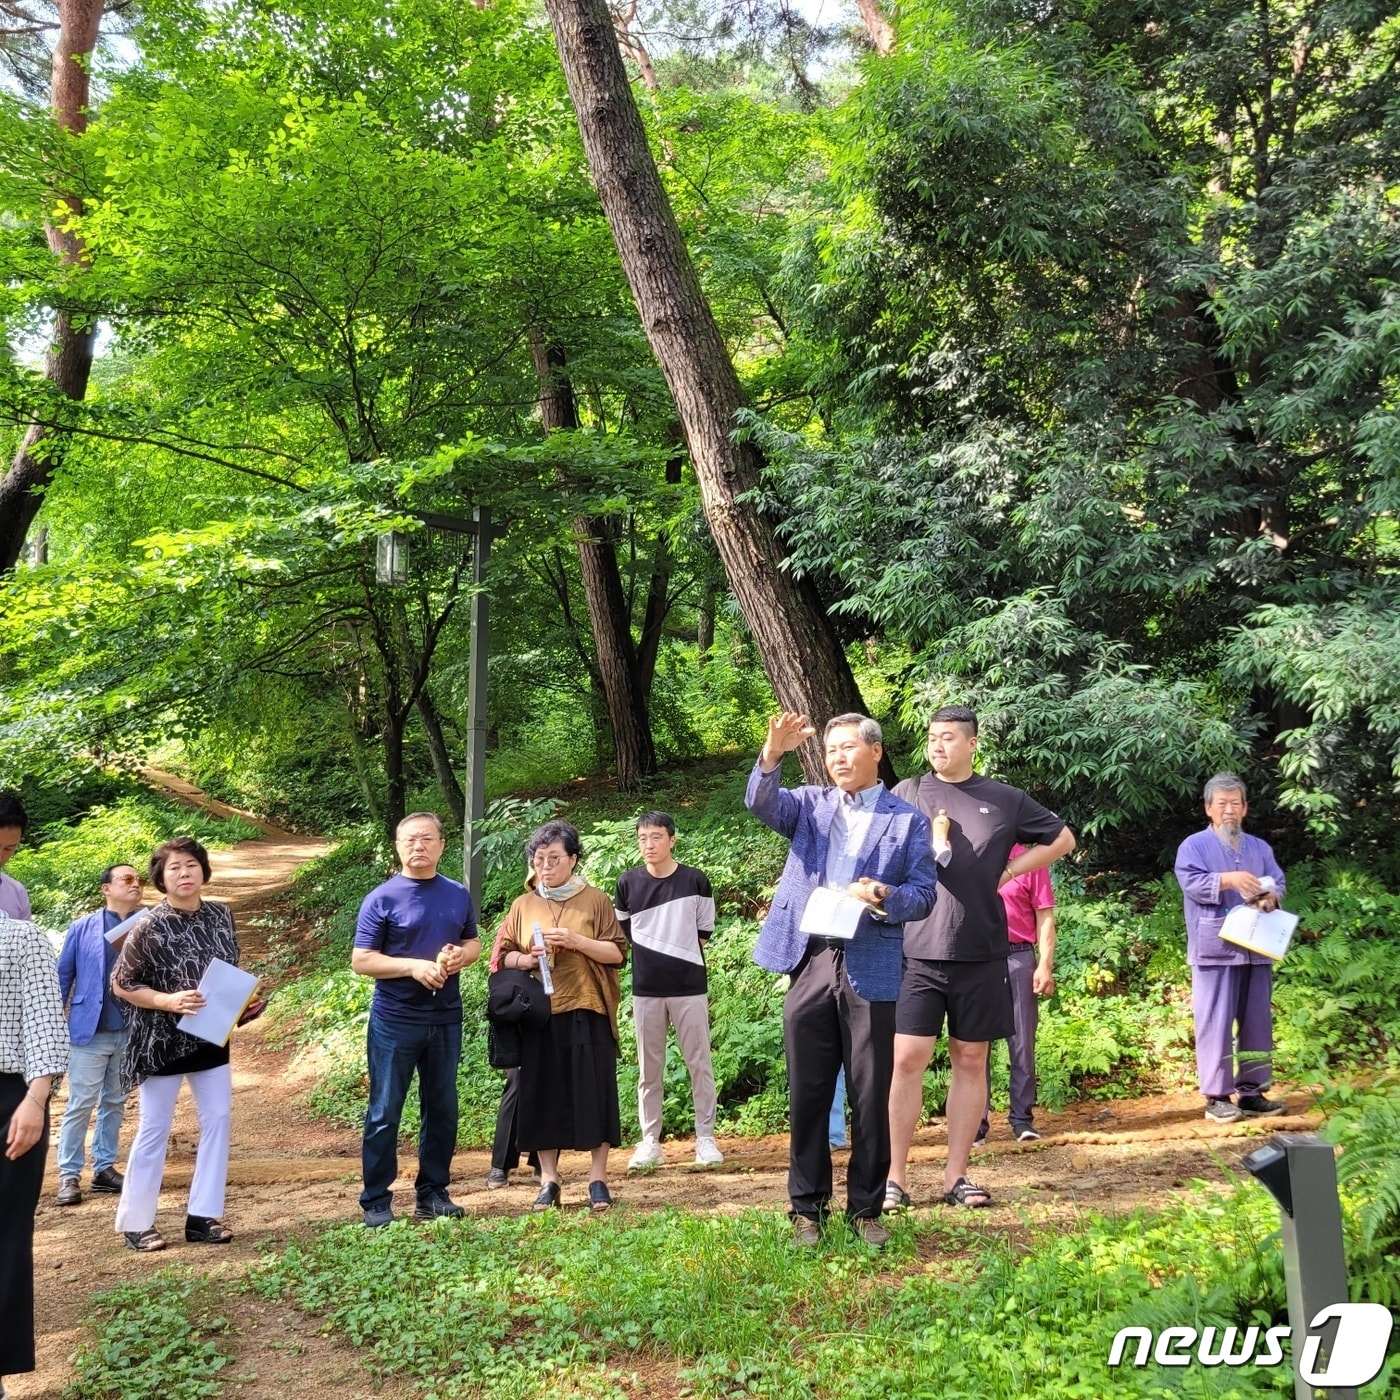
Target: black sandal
x=962, y=1193
x=205, y=1229
x=143, y=1241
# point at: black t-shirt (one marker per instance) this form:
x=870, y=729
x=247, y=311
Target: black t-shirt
x=666, y=919
x=968, y=923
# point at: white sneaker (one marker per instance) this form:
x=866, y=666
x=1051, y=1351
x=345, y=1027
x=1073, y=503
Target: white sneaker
x=648, y=1154
x=707, y=1153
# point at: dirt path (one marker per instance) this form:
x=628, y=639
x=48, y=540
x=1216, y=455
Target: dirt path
x=289, y=1171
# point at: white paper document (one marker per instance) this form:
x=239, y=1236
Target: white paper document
x=1268, y=934
x=116, y=935
x=227, y=990
x=831, y=914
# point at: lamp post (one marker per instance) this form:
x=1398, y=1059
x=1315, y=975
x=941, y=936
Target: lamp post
x=480, y=627
x=391, y=567
x=1299, y=1170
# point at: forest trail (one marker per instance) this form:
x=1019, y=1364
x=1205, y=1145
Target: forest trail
x=290, y=1171
x=252, y=873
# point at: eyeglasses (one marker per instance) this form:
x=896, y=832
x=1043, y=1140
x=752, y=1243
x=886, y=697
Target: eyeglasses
x=419, y=840
x=126, y=880
x=548, y=861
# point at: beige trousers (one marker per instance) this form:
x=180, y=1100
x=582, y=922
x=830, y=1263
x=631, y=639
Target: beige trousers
x=691, y=1018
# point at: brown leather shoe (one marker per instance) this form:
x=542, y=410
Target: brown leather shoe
x=806, y=1232
x=70, y=1193
x=871, y=1231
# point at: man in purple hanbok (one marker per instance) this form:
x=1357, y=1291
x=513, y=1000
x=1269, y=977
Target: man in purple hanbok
x=1218, y=870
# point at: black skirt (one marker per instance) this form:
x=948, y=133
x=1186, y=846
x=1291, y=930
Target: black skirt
x=568, y=1085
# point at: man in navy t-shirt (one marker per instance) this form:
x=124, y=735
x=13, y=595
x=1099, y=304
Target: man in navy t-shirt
x=415, y=933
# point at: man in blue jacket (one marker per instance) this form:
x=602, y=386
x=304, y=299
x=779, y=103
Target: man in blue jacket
x=858, y=841
x=97, y=1037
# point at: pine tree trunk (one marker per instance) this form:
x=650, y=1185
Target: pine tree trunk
x=881, y=31
x=68, y=362
x=658, y=597
x=634, y=752
x=801, y=653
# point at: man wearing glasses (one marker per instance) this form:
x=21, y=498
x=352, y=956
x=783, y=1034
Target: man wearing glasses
x=415, y=933
x=96, y=1036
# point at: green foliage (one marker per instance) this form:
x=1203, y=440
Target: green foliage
x=1108, y=376
x=1365, y=1121
x=559, y=1299
x=1342, y=661
x=154, y=1339
x=1335, y=991
x=61, y=864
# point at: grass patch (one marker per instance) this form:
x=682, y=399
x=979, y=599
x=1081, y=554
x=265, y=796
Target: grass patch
x=562, y=1305
x=157, y=1339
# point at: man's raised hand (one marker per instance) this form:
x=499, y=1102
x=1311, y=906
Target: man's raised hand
x=785, y=733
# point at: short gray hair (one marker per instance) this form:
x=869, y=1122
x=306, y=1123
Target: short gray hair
x=1225, y=782
x=870, y=732
x=421, y=817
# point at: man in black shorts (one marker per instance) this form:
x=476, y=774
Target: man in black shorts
x=955, y=960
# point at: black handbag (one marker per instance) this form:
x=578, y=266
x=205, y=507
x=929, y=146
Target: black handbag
x=514, y=1000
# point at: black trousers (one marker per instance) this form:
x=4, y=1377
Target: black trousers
x=505, y=1154
x=827, y=1024
x=20, y=1184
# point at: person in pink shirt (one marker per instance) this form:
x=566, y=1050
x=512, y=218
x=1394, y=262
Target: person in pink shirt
x=1030, y=925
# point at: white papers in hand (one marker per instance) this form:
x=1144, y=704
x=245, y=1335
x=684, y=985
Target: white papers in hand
x=831, y=914
x=1268, y=934
x=226, y=991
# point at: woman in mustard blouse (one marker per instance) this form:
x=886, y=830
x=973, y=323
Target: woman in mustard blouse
x=568, y=1067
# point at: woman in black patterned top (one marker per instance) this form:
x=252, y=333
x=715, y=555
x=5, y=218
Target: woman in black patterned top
x=33, y=1052
x=159, y=971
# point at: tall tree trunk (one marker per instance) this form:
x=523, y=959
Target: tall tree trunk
x=881, y=31
x=396, y=782
x=634, y=752
x=801, y=653
x=705, y=623
x=441, y=756
x=658, y=597
x=68, y=362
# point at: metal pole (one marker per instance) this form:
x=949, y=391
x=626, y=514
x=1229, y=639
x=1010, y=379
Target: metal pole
x=1314, y=1260
x=476, y=703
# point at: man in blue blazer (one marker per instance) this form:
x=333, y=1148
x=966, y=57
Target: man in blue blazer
x=97, y=1037
x=858, y=840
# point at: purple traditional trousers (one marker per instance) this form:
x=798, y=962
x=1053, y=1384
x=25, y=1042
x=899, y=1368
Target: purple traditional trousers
x=1221, y=999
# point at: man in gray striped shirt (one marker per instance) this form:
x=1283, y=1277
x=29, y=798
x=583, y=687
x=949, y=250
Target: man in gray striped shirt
x=668, y=912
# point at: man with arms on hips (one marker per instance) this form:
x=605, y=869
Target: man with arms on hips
x=956, y=958
x=414, y=935
x=14, y=898
x=861, y=841
x=667, y=912
x=1220, y=869
x=1029, y=900
x=96, y=1036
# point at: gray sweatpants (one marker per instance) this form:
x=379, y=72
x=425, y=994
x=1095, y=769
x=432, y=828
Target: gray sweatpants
x=691, y=1018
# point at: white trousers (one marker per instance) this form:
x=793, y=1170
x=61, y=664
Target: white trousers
x=145, y=1165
